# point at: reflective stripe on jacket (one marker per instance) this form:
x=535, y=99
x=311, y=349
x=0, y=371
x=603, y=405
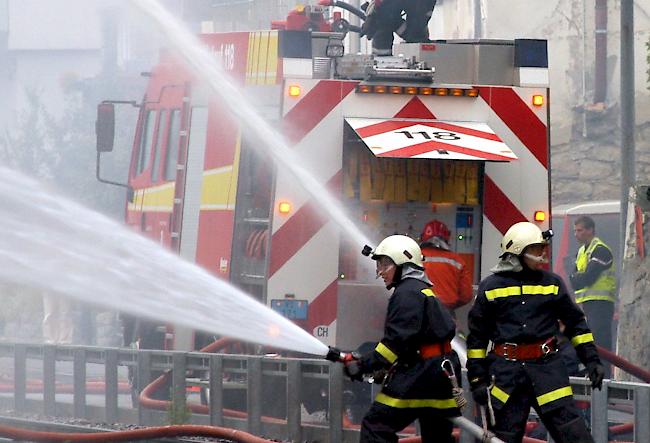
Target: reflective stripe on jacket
x=604, y=288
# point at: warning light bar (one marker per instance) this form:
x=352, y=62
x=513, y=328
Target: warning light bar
x=417, y=90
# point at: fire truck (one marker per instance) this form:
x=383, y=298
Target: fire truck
x=453, y=130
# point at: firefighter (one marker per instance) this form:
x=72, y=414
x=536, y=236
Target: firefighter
x=518, y=308
x=417, y=334
x=594, y=280
x=446, y=269
x=384, y=17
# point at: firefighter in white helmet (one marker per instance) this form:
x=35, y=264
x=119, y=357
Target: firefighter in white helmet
x=518, y=308
x=417, y=335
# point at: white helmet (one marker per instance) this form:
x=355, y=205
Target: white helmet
x=519, y=236
x=401, y=249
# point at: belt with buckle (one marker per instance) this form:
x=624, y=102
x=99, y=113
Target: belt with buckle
x=434, y=350
x=527, y=351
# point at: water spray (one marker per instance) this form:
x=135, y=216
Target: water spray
x=57, y=246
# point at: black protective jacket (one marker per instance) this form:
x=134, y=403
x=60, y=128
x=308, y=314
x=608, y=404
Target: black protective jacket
x=414, y=318
x=524, y=307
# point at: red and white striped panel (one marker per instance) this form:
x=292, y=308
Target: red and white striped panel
x=513, y=192
x=304, y=244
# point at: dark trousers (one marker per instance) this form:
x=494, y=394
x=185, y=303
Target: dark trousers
x=389, y=20
x=600, y=315
x=382, y=423
x=564, y=423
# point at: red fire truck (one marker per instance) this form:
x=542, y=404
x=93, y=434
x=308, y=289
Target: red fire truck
x=451, y=130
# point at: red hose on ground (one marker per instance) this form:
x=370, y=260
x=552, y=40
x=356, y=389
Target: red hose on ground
x=131, y=435
x=163, y=405
x=624, y=428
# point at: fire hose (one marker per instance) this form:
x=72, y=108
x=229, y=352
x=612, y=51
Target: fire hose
x=625, y=365
x=343, y=5
x=131, y=435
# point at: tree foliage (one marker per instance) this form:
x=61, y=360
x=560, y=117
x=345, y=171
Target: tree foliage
x=61, y=151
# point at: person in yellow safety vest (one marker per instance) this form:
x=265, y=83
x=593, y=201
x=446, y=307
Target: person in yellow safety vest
x=594, y=280
x=518, y=308
x=415, y=349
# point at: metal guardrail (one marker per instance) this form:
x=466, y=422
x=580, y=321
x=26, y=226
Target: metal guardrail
x=251, y=373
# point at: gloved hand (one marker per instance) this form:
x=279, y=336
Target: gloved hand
x=352, y=368
x=369, y=27
x=480, y=393
x=596, y=374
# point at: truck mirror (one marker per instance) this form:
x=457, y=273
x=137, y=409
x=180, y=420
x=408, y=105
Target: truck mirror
x=105, y=127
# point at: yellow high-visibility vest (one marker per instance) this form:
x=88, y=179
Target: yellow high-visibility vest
x=604, y=288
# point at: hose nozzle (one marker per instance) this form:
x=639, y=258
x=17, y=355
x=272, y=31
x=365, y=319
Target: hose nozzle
x=335, y=355
x=338, y=356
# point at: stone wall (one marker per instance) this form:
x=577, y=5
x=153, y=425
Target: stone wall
x=634, y=296
x=588, y=168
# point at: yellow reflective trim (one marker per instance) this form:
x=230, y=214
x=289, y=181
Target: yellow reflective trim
x=272, y=59
x=541, y=290
x=219, y=187
x=249, y=58
x=499, y=394
x=595, y=297
x=502, y=292
x=554, y=395
x=385, y=352
x=263, y=59
x=476, y=353
x=403, y=403
x=158, y=198
x=582, y=338
x=216, y=188
x=428, y=292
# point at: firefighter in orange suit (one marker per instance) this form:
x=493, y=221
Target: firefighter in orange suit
x=518, y=309
x=417, y=340
x=446, y=269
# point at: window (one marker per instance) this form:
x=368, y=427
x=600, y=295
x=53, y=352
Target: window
x=162, y=125
x=145, y=141
x=173, y=139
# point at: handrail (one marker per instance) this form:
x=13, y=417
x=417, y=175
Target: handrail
x=619, y=393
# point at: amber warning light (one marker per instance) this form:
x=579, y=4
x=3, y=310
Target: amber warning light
x=284, y=207
x=538, y=100
x=294, y=91
x=540, y=216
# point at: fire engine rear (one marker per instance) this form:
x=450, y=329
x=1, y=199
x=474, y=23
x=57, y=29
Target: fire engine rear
x=456, y=131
